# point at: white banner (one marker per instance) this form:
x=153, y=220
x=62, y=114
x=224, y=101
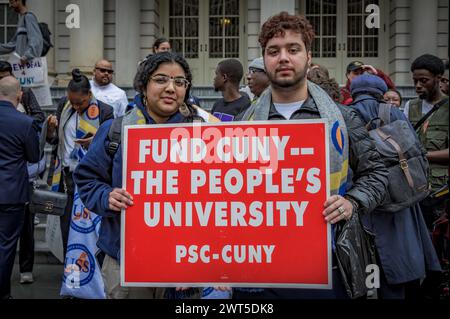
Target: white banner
x=34, y=75
x=82, y=274
x=31, y=74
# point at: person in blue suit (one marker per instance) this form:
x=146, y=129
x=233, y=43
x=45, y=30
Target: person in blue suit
x=19, y=144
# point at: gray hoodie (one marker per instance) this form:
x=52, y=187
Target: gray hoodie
x=27, y=41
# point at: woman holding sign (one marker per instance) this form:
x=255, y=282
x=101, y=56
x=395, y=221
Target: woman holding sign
x=163, y=81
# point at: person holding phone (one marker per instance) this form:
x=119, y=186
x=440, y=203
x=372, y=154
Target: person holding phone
x=72, y=130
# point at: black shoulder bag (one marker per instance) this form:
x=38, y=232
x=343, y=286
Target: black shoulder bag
x=43, y=200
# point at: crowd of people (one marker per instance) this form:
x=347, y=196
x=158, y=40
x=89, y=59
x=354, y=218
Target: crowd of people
x=284, y=84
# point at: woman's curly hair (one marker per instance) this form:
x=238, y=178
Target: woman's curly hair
x=278, y=24
x=320, y=75
x=151, y=64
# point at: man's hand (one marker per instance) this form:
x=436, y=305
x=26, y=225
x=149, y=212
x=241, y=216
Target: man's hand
x=23, y=61
x=337, y=208
x=370, y=69
x=120, y=199
x=52, y=121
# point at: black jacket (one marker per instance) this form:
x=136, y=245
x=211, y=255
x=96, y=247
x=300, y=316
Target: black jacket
x=106, y=113
x=370, y=176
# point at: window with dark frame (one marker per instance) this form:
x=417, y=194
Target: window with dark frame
x=8, y=23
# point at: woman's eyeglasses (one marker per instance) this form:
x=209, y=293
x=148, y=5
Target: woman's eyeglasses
x=163, y=80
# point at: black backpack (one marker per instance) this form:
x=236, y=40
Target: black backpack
x=46, y=36
x=405, y=159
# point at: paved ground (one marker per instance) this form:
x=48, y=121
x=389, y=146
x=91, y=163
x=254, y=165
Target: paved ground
x=47, y=283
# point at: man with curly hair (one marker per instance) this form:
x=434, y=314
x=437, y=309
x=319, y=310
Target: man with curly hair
x=286, y=47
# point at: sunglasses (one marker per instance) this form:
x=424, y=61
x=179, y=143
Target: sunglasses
x=102, y=70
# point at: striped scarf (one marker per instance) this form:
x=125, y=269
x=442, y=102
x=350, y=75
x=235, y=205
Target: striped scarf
x=88, y=122
x=338, y=135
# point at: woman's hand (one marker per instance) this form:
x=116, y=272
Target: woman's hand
x=337, y=208
x=85, y=142
x=120, y=199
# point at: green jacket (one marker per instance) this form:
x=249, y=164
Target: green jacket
x=434, y=137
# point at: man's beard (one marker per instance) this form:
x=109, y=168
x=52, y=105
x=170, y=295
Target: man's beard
x=103, y=82
x=430, y=95
x=294, y=82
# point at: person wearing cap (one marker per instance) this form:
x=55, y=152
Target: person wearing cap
x=355, y=69
x=257, y=77
x=404, y=250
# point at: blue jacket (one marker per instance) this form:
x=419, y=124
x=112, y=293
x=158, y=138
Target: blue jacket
x=401, y=238
x=98, y=174
x=19, y=144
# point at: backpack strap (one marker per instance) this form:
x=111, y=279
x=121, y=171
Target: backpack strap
x=427, y=116
x=115, y=135
x=384, y=113
x=403, y=161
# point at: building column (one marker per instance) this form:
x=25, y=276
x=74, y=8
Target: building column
x=271, y=7
x=86, y=43
x=45, y=12
x=127, y=41
x=424, y=27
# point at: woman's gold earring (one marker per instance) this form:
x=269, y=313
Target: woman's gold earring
x=144, y=100
x=184, y=110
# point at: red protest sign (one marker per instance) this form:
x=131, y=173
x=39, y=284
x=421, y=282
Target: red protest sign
x=238, y=204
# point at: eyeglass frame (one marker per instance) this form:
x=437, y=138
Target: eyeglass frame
x=171, y=78
x=255, y=70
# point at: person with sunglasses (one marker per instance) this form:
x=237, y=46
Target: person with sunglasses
x=105, y=91
x=163, y=82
